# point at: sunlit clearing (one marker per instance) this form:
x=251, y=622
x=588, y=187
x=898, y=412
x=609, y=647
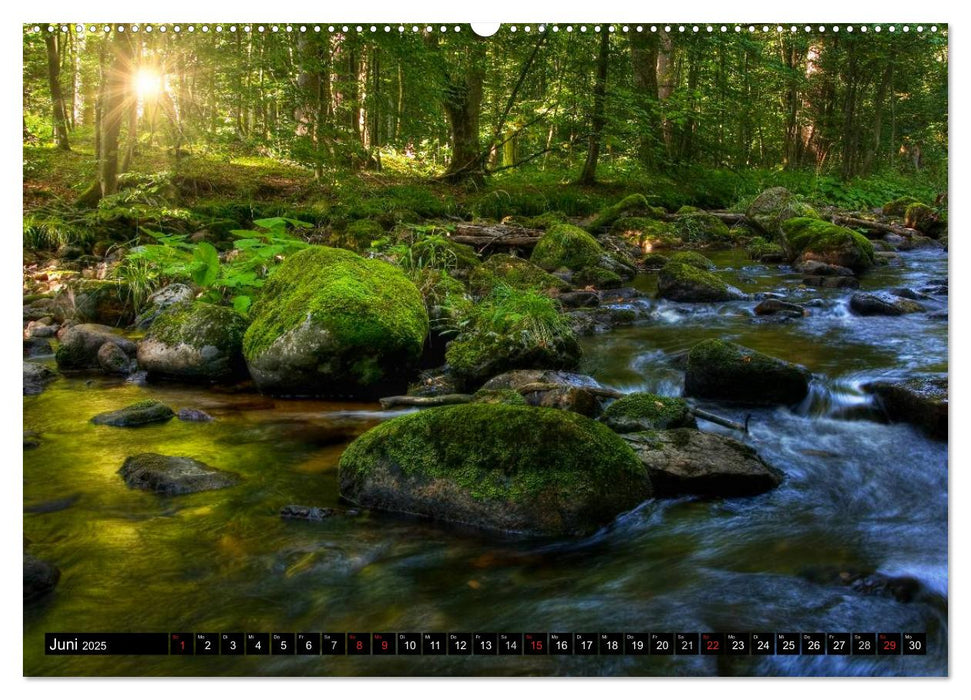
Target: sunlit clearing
x=148, y=83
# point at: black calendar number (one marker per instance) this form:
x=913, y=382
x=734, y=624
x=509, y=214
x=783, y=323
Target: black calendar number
x=409, y=644
x=611, y=644
x=838, y=643
x=232, y=644
x=485, y=643
x=914, y=643
x=207, y=643
x=358, y=644
x=383, y=644
x=180, y=644
x=308, y=643
x=687, y=643
x=763, y=643
x=283, y=643
x=813, y=643
x=787, y=643
x=637, y=643
x=257, y=643
x=888, y=643
x=510, y=643
x=333, y=644
x=433, y=644
x=585, y=643
x=561, y=643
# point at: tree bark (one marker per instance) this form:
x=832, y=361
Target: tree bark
x=643, y=59
x=589, y=174
x=57, y=97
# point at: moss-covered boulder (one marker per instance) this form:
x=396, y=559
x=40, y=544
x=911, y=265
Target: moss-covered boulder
x=690, y=257
x=654, y=261
x=898, y=207
x=598, y=278
x=646, y=411
x=646, y=233
x=679, y=282
x=331, y=323
x=696, y=226
x=920, y=401
x=633, y=205
x=505, y=396
x=446, y=299
x=512, y=330
x=441, y=253
x=498, y=467
x=565, y=245
x=194, y=342
x=925, y=219
x=811, y=239
x=764, y=251
x=513, y=272
x=566, y=391
x=79, y=345
x=135, y=415
x=775, y=206
x=547, y=219
x=883, y=304
x=691, y=462
x=718, y=369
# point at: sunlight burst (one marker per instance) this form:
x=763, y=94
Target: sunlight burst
x=148, y=83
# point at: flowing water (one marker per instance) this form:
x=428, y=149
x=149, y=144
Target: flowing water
x=859, y=495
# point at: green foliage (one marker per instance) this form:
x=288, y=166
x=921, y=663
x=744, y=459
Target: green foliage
x=438, y=252
x=517, y=273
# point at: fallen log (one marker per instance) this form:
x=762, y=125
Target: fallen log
x=483, y=241
x=424, y=401
x=719, y=420
x=496, y=234
x=875, y=226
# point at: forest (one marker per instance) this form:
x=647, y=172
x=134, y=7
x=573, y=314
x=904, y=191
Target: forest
x=291, y=290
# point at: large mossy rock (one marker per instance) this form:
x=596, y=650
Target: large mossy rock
x=718, y=369
x=644, y=232
x=135, y=415
x=693, y=462
x=898, y=207
x=331, y=323
x=773, y=207
x=442, y=253
x=520, y=274
x=497, y=467
x=695, y=259
x=194, y=342
x=79, y=345
x=631, y=206
x=681, y=282
x=920, y=401
x=565, y=245
x=697, y=226
x=646, y=411
x=173, y=476
x=811, y=239
x=925, y=219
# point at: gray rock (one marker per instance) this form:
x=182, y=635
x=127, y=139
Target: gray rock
x=113, y=360
x=311, y=513
x=577, y=300
x=817, y=268
x=37, y=347
x=40, y=329
x=686, y=461
x=173, y=476
x=81, y=343
x=769, y=307
x=36, y=378
x=40, y=578
x=920, y=401
x=193, y=415
x=832, y=282
x=882, y=305
x=165, y=297
x=566, y=391
x=141, y=413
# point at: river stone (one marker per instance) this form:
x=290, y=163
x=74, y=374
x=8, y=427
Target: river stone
x=332, y=323
x=194, y=342
x=36, y=378
x=37, y=347
x=767, y=307
x=685, y=461
x=79, y=345
x=645, y=411
x=718, y=369
x=817, y=268
x=165, y=297
x=498, y=467
x=141, y=413
x=920, y=401
x=832, y=282
x=40, y=329
x=40, y=578
x=113, y=360
x=680, y=282
x=882, y=305
x=566, y=391
x=579, y=300
x=173, y=476
x=193, y=415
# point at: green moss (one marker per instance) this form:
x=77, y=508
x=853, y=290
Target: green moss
x=695, y=226
x=775, y=206
x=441, y=253
x=922, y=217
x=367, y=304
x=363, y=232
x=505, y=396
x=681, y=282
x=722, y=370
x=546, y=220
x=689, y=257
x=763, y=251
x=446, y=299
x=643, y=410
x=471, y=446
x=821, y=240
x=654, y=261
x=597, y=277
x=631, y=203
x=513, y=272
x=898, y=207
x=198, y=324
x=567, y=246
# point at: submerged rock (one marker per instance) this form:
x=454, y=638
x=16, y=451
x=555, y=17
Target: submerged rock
x=332, y=323
x=768, y=307
x=173, y=476
x=141, y=413
x=902, y=588
x=193, y=415
x=79, y=345
x=681, y=282
x=644, y=411
x=685, y=461
x=40, y=578
x=721, y=370
x=817, y=268
x=36, y=378
x=498, y=467
x=920, y=401
x=882, y=305
x=194, y=342
x=832, y=282
x=315, y=513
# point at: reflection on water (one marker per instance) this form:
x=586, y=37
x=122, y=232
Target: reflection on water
x=859, y=495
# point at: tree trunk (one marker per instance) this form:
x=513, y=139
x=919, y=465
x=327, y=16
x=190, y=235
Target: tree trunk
x=589, y=174
x=463, y=102
x=116, y=94
x=643, y=59
x=57, y=98
x=666, y=82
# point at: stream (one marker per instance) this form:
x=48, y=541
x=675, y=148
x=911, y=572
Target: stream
x=859, y=495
